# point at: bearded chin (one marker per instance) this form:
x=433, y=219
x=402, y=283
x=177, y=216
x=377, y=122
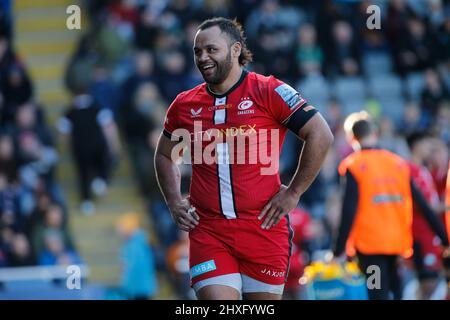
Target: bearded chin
x=223, y=70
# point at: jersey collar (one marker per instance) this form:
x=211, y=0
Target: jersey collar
x=237, y=84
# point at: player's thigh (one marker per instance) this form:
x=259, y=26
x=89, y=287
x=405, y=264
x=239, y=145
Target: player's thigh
x=212, y=264
x=264, y=257
x=218, y=292
x=261, y=296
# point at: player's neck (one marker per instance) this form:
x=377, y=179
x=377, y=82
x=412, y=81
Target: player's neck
x=230, y=81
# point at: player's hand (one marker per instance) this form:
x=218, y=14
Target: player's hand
x=280, y=205
x=184, y=215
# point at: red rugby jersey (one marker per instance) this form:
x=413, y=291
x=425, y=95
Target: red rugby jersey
x=425, y=183
x=233, y=186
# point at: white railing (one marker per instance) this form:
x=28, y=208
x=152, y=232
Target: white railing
x=42, y=273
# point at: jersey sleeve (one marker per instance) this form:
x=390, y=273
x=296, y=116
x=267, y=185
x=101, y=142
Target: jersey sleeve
x=171, y=122
x=287, y=105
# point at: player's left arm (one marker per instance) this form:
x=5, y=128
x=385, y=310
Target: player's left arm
x=317, y=138
x=291, y=110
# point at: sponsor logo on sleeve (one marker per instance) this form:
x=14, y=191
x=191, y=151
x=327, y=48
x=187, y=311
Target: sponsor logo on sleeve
x=289, y=95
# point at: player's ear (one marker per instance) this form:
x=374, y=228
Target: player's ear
x=236, y=49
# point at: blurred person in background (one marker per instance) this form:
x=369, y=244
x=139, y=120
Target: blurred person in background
x=143, y=71
x=52, y=221
x=178, y=265
x=415, y=51
x=8, y=162
x=433, y=94
x=173, y=78
x=390, y=140
x=377, y=209
x=141, y=127
x=36, y=154
x=427, y=256
x=437, y=164
x=12, y=217
x=304, y=232
x=138, y=278
x=271, y=29
x=309, y=55
x=20, y=254
x=413, y=120
x=343, y=53
x=93, y=138
x=16, y=89
x=442, y=124
x=55, y=252
x=447, y=222
x=104, y=90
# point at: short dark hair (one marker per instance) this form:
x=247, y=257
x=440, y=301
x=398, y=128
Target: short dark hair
x=416, y=137
x=362, y=129
x=236, y=33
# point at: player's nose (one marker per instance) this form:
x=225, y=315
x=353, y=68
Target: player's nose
x=203, y=57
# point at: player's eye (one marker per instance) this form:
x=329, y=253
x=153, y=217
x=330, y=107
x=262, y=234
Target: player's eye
x=211, y=50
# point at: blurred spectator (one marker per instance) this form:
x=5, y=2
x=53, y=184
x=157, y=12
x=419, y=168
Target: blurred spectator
x=104, y=90
x=398, y=13
x=433, y=94
x=16, y=89
x=427, y=251
x=94, y=139
x=11, y=215
x=173, y=79
x=6, y=19
x=143, y=72
x=437, y=163
x=390, y=140
x=309, y=55
x=51, y=222
x=8, y=164
x=217, y=8
x=303, y=233
x=139, y=280
x=55, y=252
x=271, y=32
x=442, y=123
x=413, y=120
x=414, y=51
x=443, y=37
x=147, y=26
x=36, y=154
x=436, y=13
x=178, y=266
x=20, y=255
x=343, y=54
x=141, y=122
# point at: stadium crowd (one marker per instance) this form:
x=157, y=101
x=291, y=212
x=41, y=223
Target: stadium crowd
x=33, y=213
x=137, y=56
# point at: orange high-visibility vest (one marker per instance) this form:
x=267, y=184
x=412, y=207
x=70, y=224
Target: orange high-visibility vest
x=447, y=202
x=383, y=222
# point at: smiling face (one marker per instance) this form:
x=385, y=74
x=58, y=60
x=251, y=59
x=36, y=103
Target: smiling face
x=213, y=54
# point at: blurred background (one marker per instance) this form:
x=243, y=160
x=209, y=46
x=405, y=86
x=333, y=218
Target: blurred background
x=80, y=112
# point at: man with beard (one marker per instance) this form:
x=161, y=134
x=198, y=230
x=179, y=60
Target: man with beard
x=236, y=213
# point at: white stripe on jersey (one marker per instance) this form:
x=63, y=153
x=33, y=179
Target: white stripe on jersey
x=226, y=194
x=220, y=115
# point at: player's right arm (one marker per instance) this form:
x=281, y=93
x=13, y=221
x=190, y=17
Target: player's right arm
x=169, y=180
